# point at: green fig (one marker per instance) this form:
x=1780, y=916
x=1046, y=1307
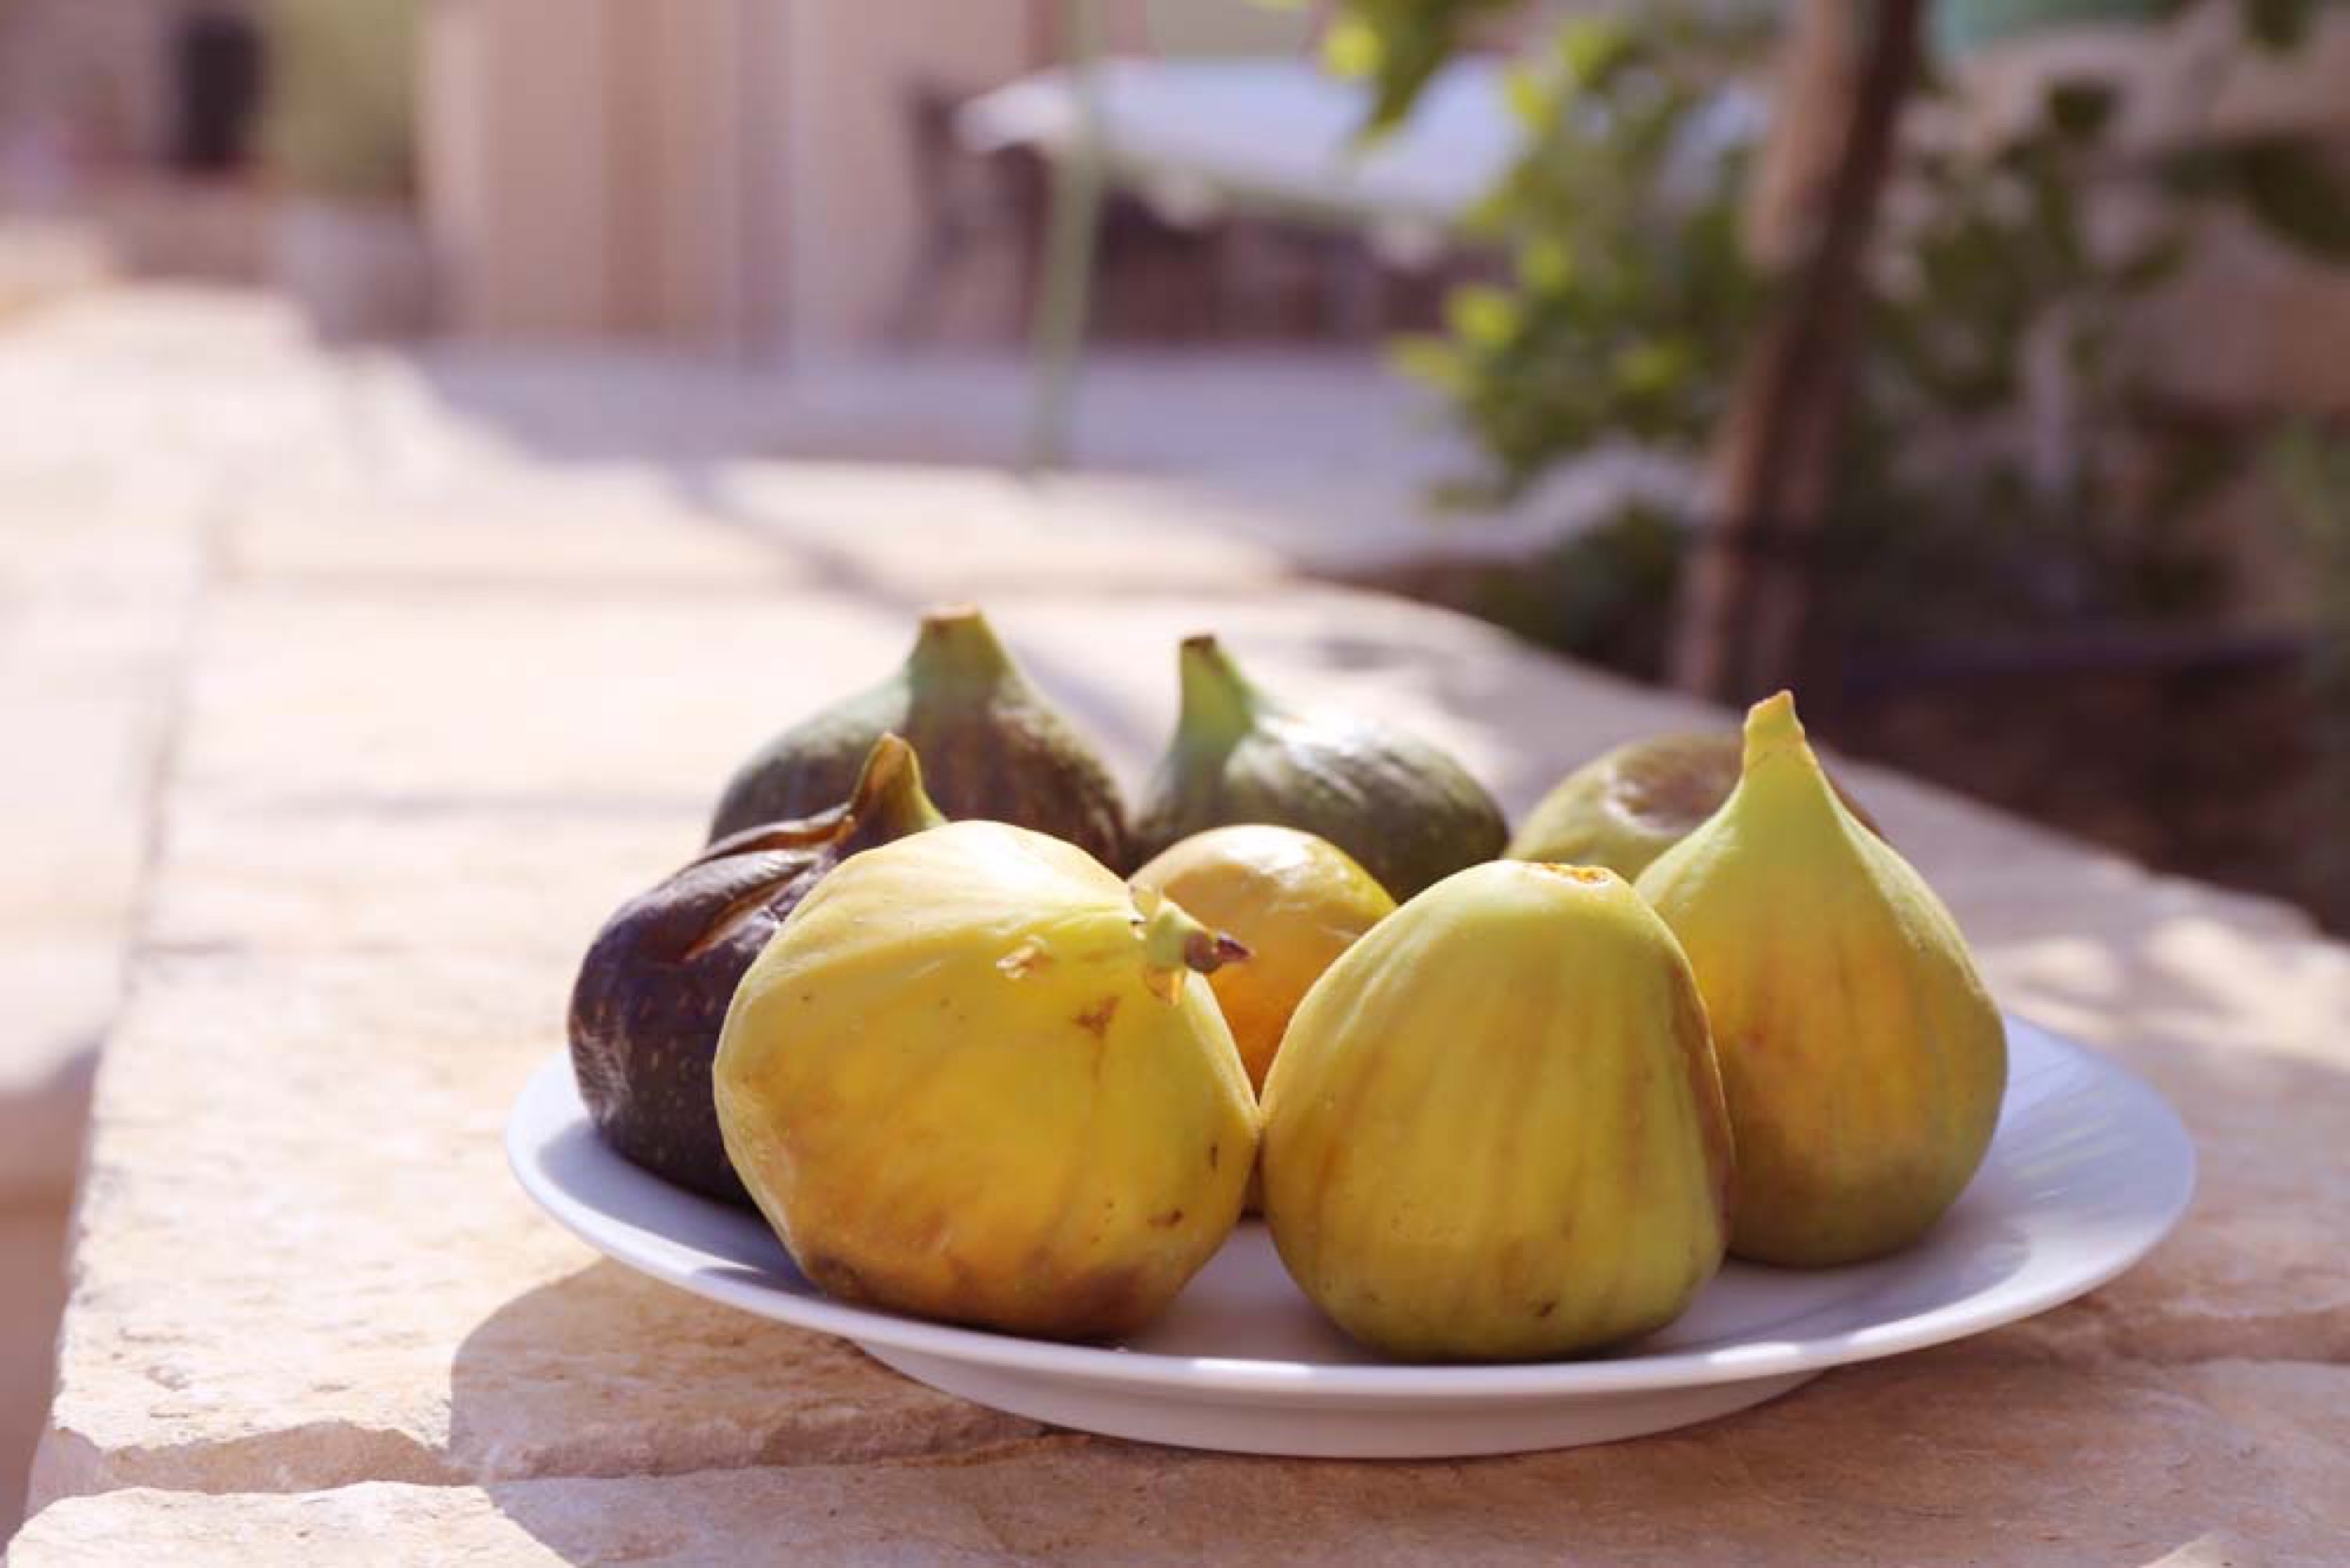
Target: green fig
x=653, y=991
x=1863, y=1059
x=1403, y=808
x=977, y=1078
x=993, y=746
x=1627, y=806
x=1495, y=1129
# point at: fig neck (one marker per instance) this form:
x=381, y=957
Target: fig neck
x=888, y=800
x=1779, y=773
x=956, y=646
x=1219, y=703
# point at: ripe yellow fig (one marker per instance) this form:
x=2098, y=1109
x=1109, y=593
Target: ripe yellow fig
x=974, y=1078
x=1864, y=1061
x=1296, y=901
x=1624, y=807
x=1495, y=1131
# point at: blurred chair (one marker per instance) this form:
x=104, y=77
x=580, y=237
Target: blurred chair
x=965, y=202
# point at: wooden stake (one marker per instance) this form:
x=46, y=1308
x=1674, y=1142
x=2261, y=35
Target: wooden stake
x=1773, y=468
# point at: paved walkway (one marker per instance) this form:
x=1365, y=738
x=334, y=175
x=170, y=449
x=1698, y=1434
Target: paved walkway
x=424, y=702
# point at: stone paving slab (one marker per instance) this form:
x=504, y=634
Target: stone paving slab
x=1952, y=1456
x=548, y=538
x=426, y=745
x=334, y=940
x=351, y=1286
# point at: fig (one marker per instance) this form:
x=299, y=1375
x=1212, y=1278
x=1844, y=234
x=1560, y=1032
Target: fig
x=1495, y=1130
x=1295, y=901
x=1403, y=808
x=1627, y=806
x=1864, y=1061
x=653, y=990
x=991, y=745
x=977, y=1078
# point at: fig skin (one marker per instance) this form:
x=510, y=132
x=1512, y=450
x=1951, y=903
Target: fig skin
x=653, y=990
x=975, y=1079
x=1496, y=1130
x=1626, y=806
x=1296, y=901
x=1408, y=813
x=1864, y=1061
x=992, y=747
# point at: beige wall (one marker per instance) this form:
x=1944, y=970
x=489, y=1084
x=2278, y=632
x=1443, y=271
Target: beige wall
x=585, y=166
x=514, y=153
x=850, y=196
x=729, y=173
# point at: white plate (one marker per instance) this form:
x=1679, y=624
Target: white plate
x=2088, y=1170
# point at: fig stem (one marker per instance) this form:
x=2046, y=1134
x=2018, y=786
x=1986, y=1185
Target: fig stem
x=957, y=645
x=1218, y=700
x=1772, y=726
x=1174, y=943
x=889, y=798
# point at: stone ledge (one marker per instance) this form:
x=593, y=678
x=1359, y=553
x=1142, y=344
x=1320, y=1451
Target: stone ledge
x=369, y=962
x=1952, y=1456
x=343, y=1282
x=364, y=946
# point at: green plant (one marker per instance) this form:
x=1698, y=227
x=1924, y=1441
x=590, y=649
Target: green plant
x=2001, y=462
x=340, y=114
x=1630, y=294
x=2005, y=464
x=2309, y=467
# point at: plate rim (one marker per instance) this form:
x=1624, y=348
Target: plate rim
x=1273, y=1381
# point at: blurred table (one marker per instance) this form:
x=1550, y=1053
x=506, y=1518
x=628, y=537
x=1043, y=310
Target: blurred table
x=1278, y=136
x=447, y=705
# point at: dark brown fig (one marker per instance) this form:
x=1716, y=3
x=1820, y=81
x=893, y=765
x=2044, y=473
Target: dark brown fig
x=992, y=747
x=1408, y=813
x=653, y=991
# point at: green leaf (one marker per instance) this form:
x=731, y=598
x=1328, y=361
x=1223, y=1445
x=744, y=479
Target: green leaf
x=1546, y=266
x=1529, y=95
x=2296, y=197
x=1399, y=44
x=1654, y=367
x=2080, y=111
x=1593, y=48
x=1481, y=316
x=2154, y=265
x=2278, y=24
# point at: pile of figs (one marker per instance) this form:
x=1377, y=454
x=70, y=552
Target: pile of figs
x=985, y=1047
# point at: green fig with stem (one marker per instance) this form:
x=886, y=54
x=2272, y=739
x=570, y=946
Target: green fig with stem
x=1408, y=813
x=1864, y=1061
x=1626, y=806
x=992, y=747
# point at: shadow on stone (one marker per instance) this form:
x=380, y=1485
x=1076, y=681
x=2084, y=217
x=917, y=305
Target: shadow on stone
x=1958, y=1455
x=605, y=1373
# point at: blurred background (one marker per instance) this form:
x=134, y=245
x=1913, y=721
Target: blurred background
x=2046, y=452
x=1981, y=368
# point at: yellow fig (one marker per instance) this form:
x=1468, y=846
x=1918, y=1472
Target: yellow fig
x=1295, y=901
x=1863, y=1059
x=1626, y=806
x=974, y=1077
x=1495, y=1131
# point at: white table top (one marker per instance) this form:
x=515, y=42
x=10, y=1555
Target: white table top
x=1197, y=134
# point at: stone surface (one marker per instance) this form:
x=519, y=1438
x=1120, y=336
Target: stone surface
x=468, y=665
x=95, y=609
x=378, y=903
x=32, y=1262
x=358, y=1290
x=1955, y=1456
